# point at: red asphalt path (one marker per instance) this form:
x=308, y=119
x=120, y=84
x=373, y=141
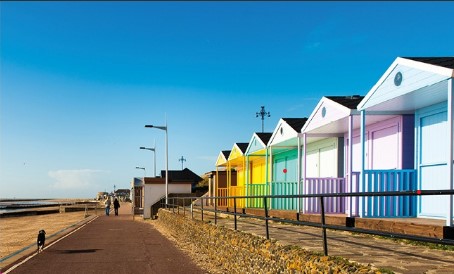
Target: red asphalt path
x=111, y=244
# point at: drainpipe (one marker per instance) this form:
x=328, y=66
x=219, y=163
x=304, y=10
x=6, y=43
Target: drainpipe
x=216, y=186
x=304, y=168
x=350, y=163
x=362, y=184
x=449, y=221
x=298, y=168
x=271, y=177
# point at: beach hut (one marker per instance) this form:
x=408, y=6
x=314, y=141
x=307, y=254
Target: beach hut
x=222, y=177
x=257, y=168
x=421, y=88
x=284, y=146
x=325, y=162
x=237, y=163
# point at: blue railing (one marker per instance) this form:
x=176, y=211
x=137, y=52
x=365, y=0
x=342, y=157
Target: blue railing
x=284, y=188
x=389, y=180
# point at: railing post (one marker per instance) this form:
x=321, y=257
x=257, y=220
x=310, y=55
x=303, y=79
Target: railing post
x=173, y=205
x=192, y=210
x=201, y=210
x=234, y=211
x=325, y=244
x=266, y=218
x=215, y=211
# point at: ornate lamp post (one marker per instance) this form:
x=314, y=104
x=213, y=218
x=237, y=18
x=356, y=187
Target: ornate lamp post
x=182, y=159
x=262, y=114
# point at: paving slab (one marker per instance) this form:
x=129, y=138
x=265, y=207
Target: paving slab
x=112, y=244
x=381, y=253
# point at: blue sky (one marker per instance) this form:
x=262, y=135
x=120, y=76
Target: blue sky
x=79, y=80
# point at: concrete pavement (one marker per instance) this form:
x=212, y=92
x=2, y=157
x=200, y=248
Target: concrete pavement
x=111, y=244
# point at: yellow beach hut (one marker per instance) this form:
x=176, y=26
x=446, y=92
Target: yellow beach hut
x=258, y=168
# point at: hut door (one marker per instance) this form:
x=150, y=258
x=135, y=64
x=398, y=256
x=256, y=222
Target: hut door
x=385, y=148
x=433, y=144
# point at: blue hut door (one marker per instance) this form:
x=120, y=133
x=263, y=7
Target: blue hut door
x=432, y=168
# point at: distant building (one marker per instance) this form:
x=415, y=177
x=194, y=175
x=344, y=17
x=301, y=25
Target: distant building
x=182, y=176
x=101, y=195
x=147, y=191
x=123, y=194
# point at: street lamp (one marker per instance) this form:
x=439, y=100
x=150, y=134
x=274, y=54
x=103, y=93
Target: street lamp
x=154, y=150
x=182, y=159
x=262, y=114
x=144, y=171
x=167, y=158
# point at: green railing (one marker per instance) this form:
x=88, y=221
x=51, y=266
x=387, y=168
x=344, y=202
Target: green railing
x=256, y=190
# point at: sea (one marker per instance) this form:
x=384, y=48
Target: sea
x=16, y=205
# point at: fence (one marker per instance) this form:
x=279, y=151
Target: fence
x=284, y=188
x=335, y=205
x=256, y=190
x=321, y=198
x=389, y=206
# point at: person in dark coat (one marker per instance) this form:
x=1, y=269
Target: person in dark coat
x=116, y=206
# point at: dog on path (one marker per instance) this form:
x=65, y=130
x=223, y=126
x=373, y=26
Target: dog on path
x=41, y=240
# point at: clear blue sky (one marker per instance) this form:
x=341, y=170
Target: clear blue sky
x=79, y=80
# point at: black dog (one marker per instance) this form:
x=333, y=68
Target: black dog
x=41, y=239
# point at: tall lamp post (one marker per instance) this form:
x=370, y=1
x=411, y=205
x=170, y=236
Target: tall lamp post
x=144, y=171
x=262, y=113
x=167, y=158
x=154, y=152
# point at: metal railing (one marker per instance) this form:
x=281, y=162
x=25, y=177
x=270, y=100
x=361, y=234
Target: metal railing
x=321, y=198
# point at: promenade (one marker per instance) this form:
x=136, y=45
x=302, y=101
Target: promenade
x=364, y=249
x=111, y=244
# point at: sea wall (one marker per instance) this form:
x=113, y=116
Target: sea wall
x=241, y=252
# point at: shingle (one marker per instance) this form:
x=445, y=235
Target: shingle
x=185, y=175
x=242, y=146
x=350, y=102
x=295, y=123
x=264, y=136
x=447, y=62
x=226, y=153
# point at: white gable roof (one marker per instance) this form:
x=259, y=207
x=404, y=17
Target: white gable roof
x=408, y=85
x=285, y=134
x=329, y=116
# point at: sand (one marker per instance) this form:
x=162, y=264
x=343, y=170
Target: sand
x=19, y=232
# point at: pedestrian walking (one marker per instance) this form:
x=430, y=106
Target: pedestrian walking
x=116, y=206
x=107, y=204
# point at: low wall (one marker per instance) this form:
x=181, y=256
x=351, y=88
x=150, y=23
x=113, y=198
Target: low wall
x=246, y=253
